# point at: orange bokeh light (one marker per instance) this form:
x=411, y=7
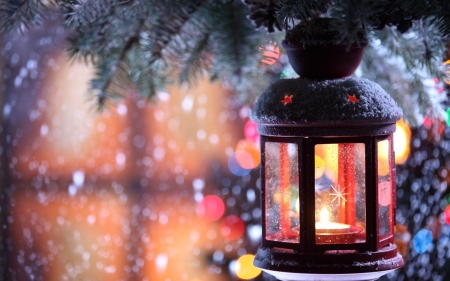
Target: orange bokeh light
x=245, y=269
x=402, y=139
x=248, y=154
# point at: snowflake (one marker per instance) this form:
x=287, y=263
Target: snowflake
x=338, y=195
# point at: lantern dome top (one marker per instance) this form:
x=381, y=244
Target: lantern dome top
x=302, y=102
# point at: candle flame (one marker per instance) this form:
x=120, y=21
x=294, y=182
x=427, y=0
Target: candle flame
x=324, y=215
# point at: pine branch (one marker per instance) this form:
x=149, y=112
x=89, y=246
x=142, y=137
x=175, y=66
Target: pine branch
x=404, y=66
x=105, y=83
x=437, y=11
x=197, y=61
x=170, y=25
x=146, y=79
x=80, y=14
x=304, y=10
x=21, y=14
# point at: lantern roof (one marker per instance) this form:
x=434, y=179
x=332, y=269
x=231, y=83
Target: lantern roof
x=302, y=102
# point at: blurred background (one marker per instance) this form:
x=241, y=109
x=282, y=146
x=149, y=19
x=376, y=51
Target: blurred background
x=167, y=189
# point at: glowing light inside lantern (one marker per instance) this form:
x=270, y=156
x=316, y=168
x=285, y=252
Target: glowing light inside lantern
x=324, y=215
x=325, y=225
x=245, y=268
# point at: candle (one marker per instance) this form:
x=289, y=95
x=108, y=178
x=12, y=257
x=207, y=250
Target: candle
x=324, y=225
x=285, y=220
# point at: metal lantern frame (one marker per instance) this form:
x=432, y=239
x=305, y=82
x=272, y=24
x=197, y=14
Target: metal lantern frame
x=306, y=139
x=309, y=260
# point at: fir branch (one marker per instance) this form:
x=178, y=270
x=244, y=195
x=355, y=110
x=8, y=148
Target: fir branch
x=170, y=25
x=377, y=67
x=438, y=11
x=81, y=13
x=304, y=10
x=197, y=61
x=105, y=83
x=146, y=79
x=353, y=15
x=21, y=14
x=442, y=17
x=404, y=66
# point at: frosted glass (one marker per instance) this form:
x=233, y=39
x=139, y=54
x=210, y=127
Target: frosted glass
x=282, y=197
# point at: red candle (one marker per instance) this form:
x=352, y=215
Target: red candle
x=346, y=175
x=285, y=223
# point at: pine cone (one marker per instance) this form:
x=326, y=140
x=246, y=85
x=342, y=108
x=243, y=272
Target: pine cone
x=395, y=17
x=262, y=13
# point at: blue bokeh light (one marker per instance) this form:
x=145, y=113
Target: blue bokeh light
x=235, y=168
x=422, y=240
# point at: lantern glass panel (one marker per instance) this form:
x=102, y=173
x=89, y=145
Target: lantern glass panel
x=340, y=193
x=384, y=190
x=281, y=189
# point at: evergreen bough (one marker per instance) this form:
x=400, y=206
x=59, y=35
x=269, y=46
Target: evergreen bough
x=145, y=45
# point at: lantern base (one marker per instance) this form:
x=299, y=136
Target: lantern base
x=288, y=276
x=288, y=265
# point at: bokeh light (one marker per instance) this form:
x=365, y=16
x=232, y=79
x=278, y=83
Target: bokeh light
x=427, y=122
x=447, y=72
x=269, y=53
x=447, y=117
x=235, y=167
x=245, y=268
x=447, y=214
x=251, y=131
x=211, y=208
x=288, y=73
x=402, y=138
x=232, y=227
x=422, y=240
x=329, y=155
x=248, y=154
x=244, y=159
x=319, y=166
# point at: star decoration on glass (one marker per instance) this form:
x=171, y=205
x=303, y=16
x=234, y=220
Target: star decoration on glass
x=352, y=98
x=287, y=99
x=338, y=194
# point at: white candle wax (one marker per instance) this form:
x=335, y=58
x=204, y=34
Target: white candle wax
x=325, y=225
x=331, y=226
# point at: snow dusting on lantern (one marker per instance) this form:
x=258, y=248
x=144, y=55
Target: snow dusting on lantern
x=328, y=179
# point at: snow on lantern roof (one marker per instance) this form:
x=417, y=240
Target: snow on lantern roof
x=304, y=102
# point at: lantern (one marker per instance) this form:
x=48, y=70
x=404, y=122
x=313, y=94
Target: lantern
x=328, y=179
